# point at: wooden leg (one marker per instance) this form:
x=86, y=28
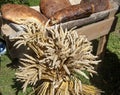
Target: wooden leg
x=102, y=46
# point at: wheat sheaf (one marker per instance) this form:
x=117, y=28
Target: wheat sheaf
x=58, y=54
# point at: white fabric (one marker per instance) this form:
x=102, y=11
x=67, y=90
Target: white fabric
x=74, y=2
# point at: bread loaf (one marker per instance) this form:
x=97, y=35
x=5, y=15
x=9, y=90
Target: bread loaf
x=100, y=5
x=84, y=9
x=49, y=7
x=73, y=12
x=20, y=13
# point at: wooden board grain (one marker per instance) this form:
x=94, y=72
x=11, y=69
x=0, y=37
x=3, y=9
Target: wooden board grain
x=96, y=30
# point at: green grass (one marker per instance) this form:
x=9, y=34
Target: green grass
x=33, y=2
x=118, y=23
x=6, y=76
x=114, y=44
x=26, y=2
x=8, y=83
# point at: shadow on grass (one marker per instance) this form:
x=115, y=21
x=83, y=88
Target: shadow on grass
x=108, y=78
x=0, y=93
x=17, y=86
x=14, y=64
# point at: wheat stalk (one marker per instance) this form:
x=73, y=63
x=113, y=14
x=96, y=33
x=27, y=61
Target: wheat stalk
x=59, y=53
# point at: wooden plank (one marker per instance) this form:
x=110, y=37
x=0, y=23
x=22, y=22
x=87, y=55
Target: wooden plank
x=93, y=18
x=96, y=30
x=104, y=40
x=6, y=30
x=114, y=8
x=102, y=46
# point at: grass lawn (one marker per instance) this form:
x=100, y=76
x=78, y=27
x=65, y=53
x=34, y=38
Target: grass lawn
x=109, y=71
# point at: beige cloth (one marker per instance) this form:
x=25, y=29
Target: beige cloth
x=74, y=2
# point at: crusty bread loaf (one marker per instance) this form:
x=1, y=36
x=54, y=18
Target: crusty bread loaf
x=100, y=5
x=20, y=13
x=84, y=9
x=49, y=7
x=72, y=13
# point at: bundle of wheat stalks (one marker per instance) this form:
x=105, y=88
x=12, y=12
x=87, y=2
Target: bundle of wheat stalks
x=58, y=55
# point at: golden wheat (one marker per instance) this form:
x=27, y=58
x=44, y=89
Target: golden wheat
x=59, y=54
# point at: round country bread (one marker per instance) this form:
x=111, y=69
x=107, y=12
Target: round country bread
x=20, y=13
x=49, y=7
